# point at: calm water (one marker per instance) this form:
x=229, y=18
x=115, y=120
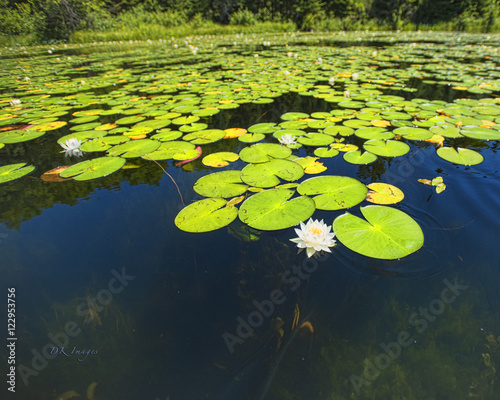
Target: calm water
x=170, y=304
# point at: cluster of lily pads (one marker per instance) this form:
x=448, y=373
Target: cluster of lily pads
x=161, y=105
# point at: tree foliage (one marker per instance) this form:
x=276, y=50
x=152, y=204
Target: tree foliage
x=57, y=19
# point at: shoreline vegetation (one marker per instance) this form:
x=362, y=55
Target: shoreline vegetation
x=34, y=22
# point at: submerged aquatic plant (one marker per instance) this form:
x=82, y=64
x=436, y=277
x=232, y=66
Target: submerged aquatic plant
x=72, y=147
x=314, y=236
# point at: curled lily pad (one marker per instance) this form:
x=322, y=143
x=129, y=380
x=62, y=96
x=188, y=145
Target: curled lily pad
x=333, y=192
x=460, y=156
x=272, y=210
x=387, y=233
x=268, y=174
x=221, y=184
x=383, y=193
x=386, y=148
x=14, y=171
x=205, y=215
x=93, y=169
x=264, y=152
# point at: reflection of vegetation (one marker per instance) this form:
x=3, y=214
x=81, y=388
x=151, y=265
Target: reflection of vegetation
x=110, y=334
x=443, y=361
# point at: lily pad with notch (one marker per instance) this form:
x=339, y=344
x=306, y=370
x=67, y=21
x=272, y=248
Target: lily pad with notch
x=205, y=216
x=272, y=210
x=387, y=233
x=333, y=192
x=268, y=174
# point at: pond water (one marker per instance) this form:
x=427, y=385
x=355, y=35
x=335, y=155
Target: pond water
x=103, y=267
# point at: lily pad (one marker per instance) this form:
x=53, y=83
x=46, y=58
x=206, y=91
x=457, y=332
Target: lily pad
x=460, y=156
x=355, y=157
x=310, y=165
x=325, y=152
x=18, y=136
x=476, y=132
x=315, y=139
x=373, y=133
x=220, y=159
x=221, y=184
x=206, y=136
x=413, y=133
x=272, y=210
x=14, y=171
x=387, y=233
x=386, y=148
x=264, y=152
x=383, y=193
x=268, y=174
x=334, y=192
x=92, y=169
x=205, y=215
x=168, y=150
x=135, y=148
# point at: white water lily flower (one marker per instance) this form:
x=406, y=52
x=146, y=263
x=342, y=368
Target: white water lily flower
x=314, y=236
x=287, y=139
x=15, y=102
x=72, y=147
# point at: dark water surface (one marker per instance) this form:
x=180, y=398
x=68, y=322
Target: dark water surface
x=170, y=304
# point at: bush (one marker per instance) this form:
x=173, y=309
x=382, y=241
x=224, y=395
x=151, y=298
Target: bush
x=18, y=21
x=243, y=17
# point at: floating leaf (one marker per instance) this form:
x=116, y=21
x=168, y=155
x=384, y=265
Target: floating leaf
x=333, y=192
x=220, y=184
x=267, y=174
x=272, y=210
x=232, y=133
x=205, y=215
x=476, y=132
x=460, y=156
x=220, y=159
x=251, y=137
x=18, y=136
x=387, y=233
x=93, y=169
x=53, y=175
x=310, y=165
x=264, y=152
x=383, y=193
x=373, y=133
x=355, y=157
x=315, y=139
x=386, y=148
x=168, y=150
x=325, y=152
x=136, y=148
x=14, y=171
x=206, y=136
x=413, y=133
x=235, y=200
